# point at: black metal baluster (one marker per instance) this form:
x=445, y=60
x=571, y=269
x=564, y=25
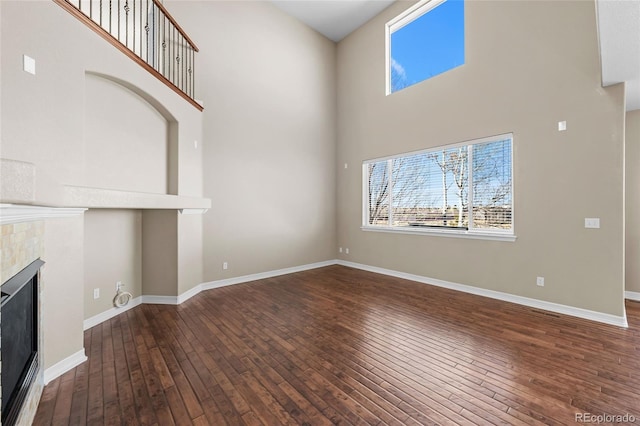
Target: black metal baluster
x=193, y=79
x=172, y=52
x=175, y=62
x=156, y=38
x=140, y=29
x=146, y=29
x=184, y=66
x=164, y=46
x=167, y=49
x=178, y=59
x=156, y=42
x=126, y=23
x=133, y=41
x=191, y=76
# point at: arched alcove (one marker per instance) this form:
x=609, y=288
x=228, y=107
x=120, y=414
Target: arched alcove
x=129, y=138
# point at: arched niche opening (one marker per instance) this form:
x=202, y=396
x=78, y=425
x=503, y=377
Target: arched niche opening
x=130, y=138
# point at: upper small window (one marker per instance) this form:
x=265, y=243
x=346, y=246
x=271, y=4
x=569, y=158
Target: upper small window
x=424, y=41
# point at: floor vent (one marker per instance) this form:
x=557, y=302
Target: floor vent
x=549, y=314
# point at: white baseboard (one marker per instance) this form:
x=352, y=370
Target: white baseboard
x=177, y=300
x=264, y=275
x=632, y=295
x=620, y=321
x=160, y=300
x=63, y=366
x=189, y=294
x=102, y=317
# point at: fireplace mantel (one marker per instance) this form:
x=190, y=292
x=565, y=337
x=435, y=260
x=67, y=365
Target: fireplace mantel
x=39, y=195
x=18, y=213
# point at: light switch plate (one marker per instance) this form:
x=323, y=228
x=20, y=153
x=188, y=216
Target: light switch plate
x=29, y=64
x=562, y=126
x=592, y=222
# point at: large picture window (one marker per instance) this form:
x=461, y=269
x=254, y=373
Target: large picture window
x=464, y=188
x=424, y=41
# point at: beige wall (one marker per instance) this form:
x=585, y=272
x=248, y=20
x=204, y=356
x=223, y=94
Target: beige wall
x=268, y=86
x=126, y=139
x=112, y=252
x=277, y=96
x=159, y=253
x=44, y=115
x=529, y=64
x=190, y=262
x=49, y=121
x=63, y=287
x=632, y=183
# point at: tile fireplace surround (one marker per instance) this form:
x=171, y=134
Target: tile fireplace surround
x=23, y=230
x=21, y=244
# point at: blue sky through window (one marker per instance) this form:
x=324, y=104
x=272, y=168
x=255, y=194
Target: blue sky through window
x=429, y=45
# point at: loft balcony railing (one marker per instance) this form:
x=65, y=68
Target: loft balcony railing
x=146, y=32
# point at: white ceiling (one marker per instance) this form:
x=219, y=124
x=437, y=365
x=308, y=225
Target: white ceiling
x=619, y=33
x=334, y=18
x=618, y=30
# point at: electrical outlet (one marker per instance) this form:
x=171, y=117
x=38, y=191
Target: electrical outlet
x=225, y=265
x=340, y=250
x=96, y=293
x=562, y=126
x=118, y=285
x=346, y=251
x=540, y=281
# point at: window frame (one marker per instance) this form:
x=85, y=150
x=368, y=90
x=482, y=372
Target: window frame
x=473, y=233
x=405, y=18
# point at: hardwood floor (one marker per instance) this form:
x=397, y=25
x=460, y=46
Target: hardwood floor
x=342, y=346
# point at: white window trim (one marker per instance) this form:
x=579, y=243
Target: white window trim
x=451, y=233
x=481, y=234
x=406, y=17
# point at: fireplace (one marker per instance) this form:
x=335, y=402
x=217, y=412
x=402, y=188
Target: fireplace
x=19, y=339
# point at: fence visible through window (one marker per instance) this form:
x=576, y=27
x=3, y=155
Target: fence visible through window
x=465, y=187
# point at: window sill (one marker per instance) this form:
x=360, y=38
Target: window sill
x=491, y=236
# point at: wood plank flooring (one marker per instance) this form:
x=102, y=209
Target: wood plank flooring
x=341, y=346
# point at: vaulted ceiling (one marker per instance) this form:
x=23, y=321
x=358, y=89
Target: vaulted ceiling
x=618, y=30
